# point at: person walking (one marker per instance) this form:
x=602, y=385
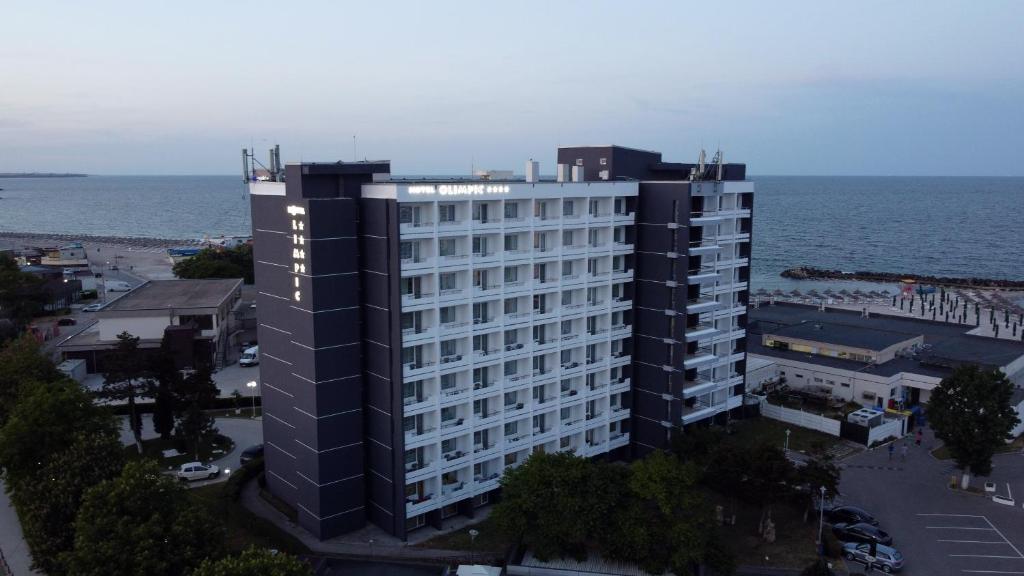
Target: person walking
x=903, y=452
x=892, y=448
x=917, y=437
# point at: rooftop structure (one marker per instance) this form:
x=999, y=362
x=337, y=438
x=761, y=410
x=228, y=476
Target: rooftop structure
x=175, y=294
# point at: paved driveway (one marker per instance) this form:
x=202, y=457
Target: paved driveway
x=939, y=530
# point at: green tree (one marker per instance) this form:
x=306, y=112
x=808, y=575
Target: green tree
x=194, y=393
x=126, y=378
x=254, y=561
x=141, y=522
x=47, y=506
x=544, y=504
x=165, y=404
x=971, y=412
x=21, y=296
x=218, y=263
x=817, y=473
x=21, y=361
x=760, y=475
x=47, y=419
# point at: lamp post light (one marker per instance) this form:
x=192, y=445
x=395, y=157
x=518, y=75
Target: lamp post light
x=252, y=384
x=786, y=448
x=473, y=533
x=821, y=516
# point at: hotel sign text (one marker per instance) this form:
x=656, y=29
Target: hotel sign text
x=459, y=189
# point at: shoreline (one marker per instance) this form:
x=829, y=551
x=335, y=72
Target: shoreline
x=140, y=241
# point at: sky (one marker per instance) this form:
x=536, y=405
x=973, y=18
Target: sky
x=926, y=87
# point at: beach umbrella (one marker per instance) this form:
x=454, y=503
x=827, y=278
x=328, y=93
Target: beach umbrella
x=778, y=292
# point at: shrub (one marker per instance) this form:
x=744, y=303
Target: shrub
x=833, y=547
x=238, y=478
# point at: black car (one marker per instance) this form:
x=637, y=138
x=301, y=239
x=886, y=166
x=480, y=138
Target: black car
x=250, y=453
x=850, y=515
x=861, y=533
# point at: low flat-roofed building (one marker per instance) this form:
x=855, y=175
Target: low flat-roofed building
x=876, y=360
x=195, y=316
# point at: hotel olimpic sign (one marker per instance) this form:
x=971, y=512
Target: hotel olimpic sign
x=298, y=221
x=458, y=189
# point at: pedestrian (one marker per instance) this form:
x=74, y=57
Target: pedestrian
x=903, y=452
x=892, y=448
x=917, y=437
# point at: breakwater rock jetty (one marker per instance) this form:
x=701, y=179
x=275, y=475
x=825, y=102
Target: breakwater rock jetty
x=812, y=273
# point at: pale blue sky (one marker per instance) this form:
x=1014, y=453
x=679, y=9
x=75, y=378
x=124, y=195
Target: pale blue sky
x=864, y=87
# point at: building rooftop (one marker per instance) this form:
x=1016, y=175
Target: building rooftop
x=945, y=345
x=842, y=335
x=167, y=294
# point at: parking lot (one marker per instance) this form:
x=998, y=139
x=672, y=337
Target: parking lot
x=940, y=531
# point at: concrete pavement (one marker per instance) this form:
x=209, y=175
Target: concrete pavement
x=12, y=543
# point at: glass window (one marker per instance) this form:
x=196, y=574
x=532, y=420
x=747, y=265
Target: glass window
x=511, y=305
x=567, y=206
x=567, y=237
x=446, y=246
x=511, y=242
x=448, y=280
x=446, y=212
x=511, y=428
x=511, y=210
x=511, y=273
x=511, y=367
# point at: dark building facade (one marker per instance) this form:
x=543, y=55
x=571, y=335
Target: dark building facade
x=419, y=337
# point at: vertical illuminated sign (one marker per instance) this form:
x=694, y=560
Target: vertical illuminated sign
x=298, y=247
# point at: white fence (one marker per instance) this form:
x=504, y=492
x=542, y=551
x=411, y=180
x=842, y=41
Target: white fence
x=800, y=418
x=892, y=428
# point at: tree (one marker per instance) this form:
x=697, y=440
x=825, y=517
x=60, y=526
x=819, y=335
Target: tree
x=47, y=420
x=761, y=475
x=254, y=561
x=21, y=296
x=218, y=263
x=168, y=380
x=20, y=362
x=544, y=504
x=971, y=412
x=127, y=377
x=141, y=522
x=47, y=506
x=194, y=393
x=817, y=473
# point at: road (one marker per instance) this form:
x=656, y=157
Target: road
x=940, y=531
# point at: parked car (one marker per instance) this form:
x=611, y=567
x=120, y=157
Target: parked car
x=197, y=471
x=887, y=558
x=250, y=453
x=850, y=515
x=118, y=286
x=67, y=322
x=250, y=357
x=861, y=533
x=92, y=308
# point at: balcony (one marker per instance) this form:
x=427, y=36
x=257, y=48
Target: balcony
x=418, y=333
x=483, y=354
x=543, y=374
x=597, y=334
x=487, y=481
x=622, y=275
x=517, y=254
x=570, y=308
x=700, y=331
x=704, y=246
x=544, y=313
x=571, y=368
x=418, y=263
x=702, y=356
x=450, y=224
x=702, y=275
x=419, y=468
x=451, y=293
x=513, y=410
x=451, y=327
x=483, y=385
x=598, y=276
x=569, y=394
x=702, y=304
x=486, y=290
x=421, y=433
x=449, y=490
x=485, y=322
x=416, y=505
x=414, y=403
x=617, y=440
x=570, y=337
x=620, y=384
x=622, y=330
x=546, y=221
x=516, y=381
x=624, y=217
x=486, y=223
x=486, y=418
x=454, y=393
x=697, y=386
x=484, y=257
x=544, y=344
x=417, y=369
x=423, y=226
x=417, y=299
x=453, y=260
x=515, y=348
x=480, y=449
x=448, y=426
x=700, y=410
x=622, y=248
x=574, y=249
x=621, y=303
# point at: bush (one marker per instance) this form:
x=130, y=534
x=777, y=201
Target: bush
x=238, y=478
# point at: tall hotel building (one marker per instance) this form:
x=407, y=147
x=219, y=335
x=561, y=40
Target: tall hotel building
x=419, y=337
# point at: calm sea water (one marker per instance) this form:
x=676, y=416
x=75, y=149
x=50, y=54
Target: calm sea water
x=940, y=226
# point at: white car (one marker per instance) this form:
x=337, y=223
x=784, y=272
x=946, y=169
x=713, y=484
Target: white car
x=197, y=471
x=251, y=357
x=92, y=308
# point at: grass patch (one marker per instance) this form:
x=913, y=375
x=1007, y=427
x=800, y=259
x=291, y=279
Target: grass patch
x=942, y=453
x=490, y=539
x=756, y=431
x=153, y=448
x=794, y=545
x=244, y=528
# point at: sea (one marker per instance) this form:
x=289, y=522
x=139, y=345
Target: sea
x=942, y=226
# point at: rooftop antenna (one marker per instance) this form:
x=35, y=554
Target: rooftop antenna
x=700, y=164
x=718, y=164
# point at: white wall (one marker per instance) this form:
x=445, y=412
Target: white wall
x=148, y=327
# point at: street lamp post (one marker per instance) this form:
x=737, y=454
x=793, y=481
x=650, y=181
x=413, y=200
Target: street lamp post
x=787, y=440
x=473, y=533
x=821, y=516
x=252, y=384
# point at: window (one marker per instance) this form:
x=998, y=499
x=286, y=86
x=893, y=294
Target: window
x=405, y=250
x=447, y=381
x=511, y=242
x=446, y=247
x=567, y=237
x=511, y=210
x=603, y=161
x=448, y=348
x=566, y=330
x=511, y=273
x=565, y=413
x=446, y=213
x=202, y=321
x=511, y=337
x=567, y=206
x=448, y=280
x=510, y=399
x=566, y=268
x=579, y=161
x=511, y=368
x=511, y=305
x=566, y=355
x=511, y=428
x=480, y=245
x=594, y=204
x=448, y=445
x=447, y=314
x=567, y=298
x=409, y=423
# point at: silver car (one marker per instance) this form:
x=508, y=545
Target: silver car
x=197, y=471
x=887, y=558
